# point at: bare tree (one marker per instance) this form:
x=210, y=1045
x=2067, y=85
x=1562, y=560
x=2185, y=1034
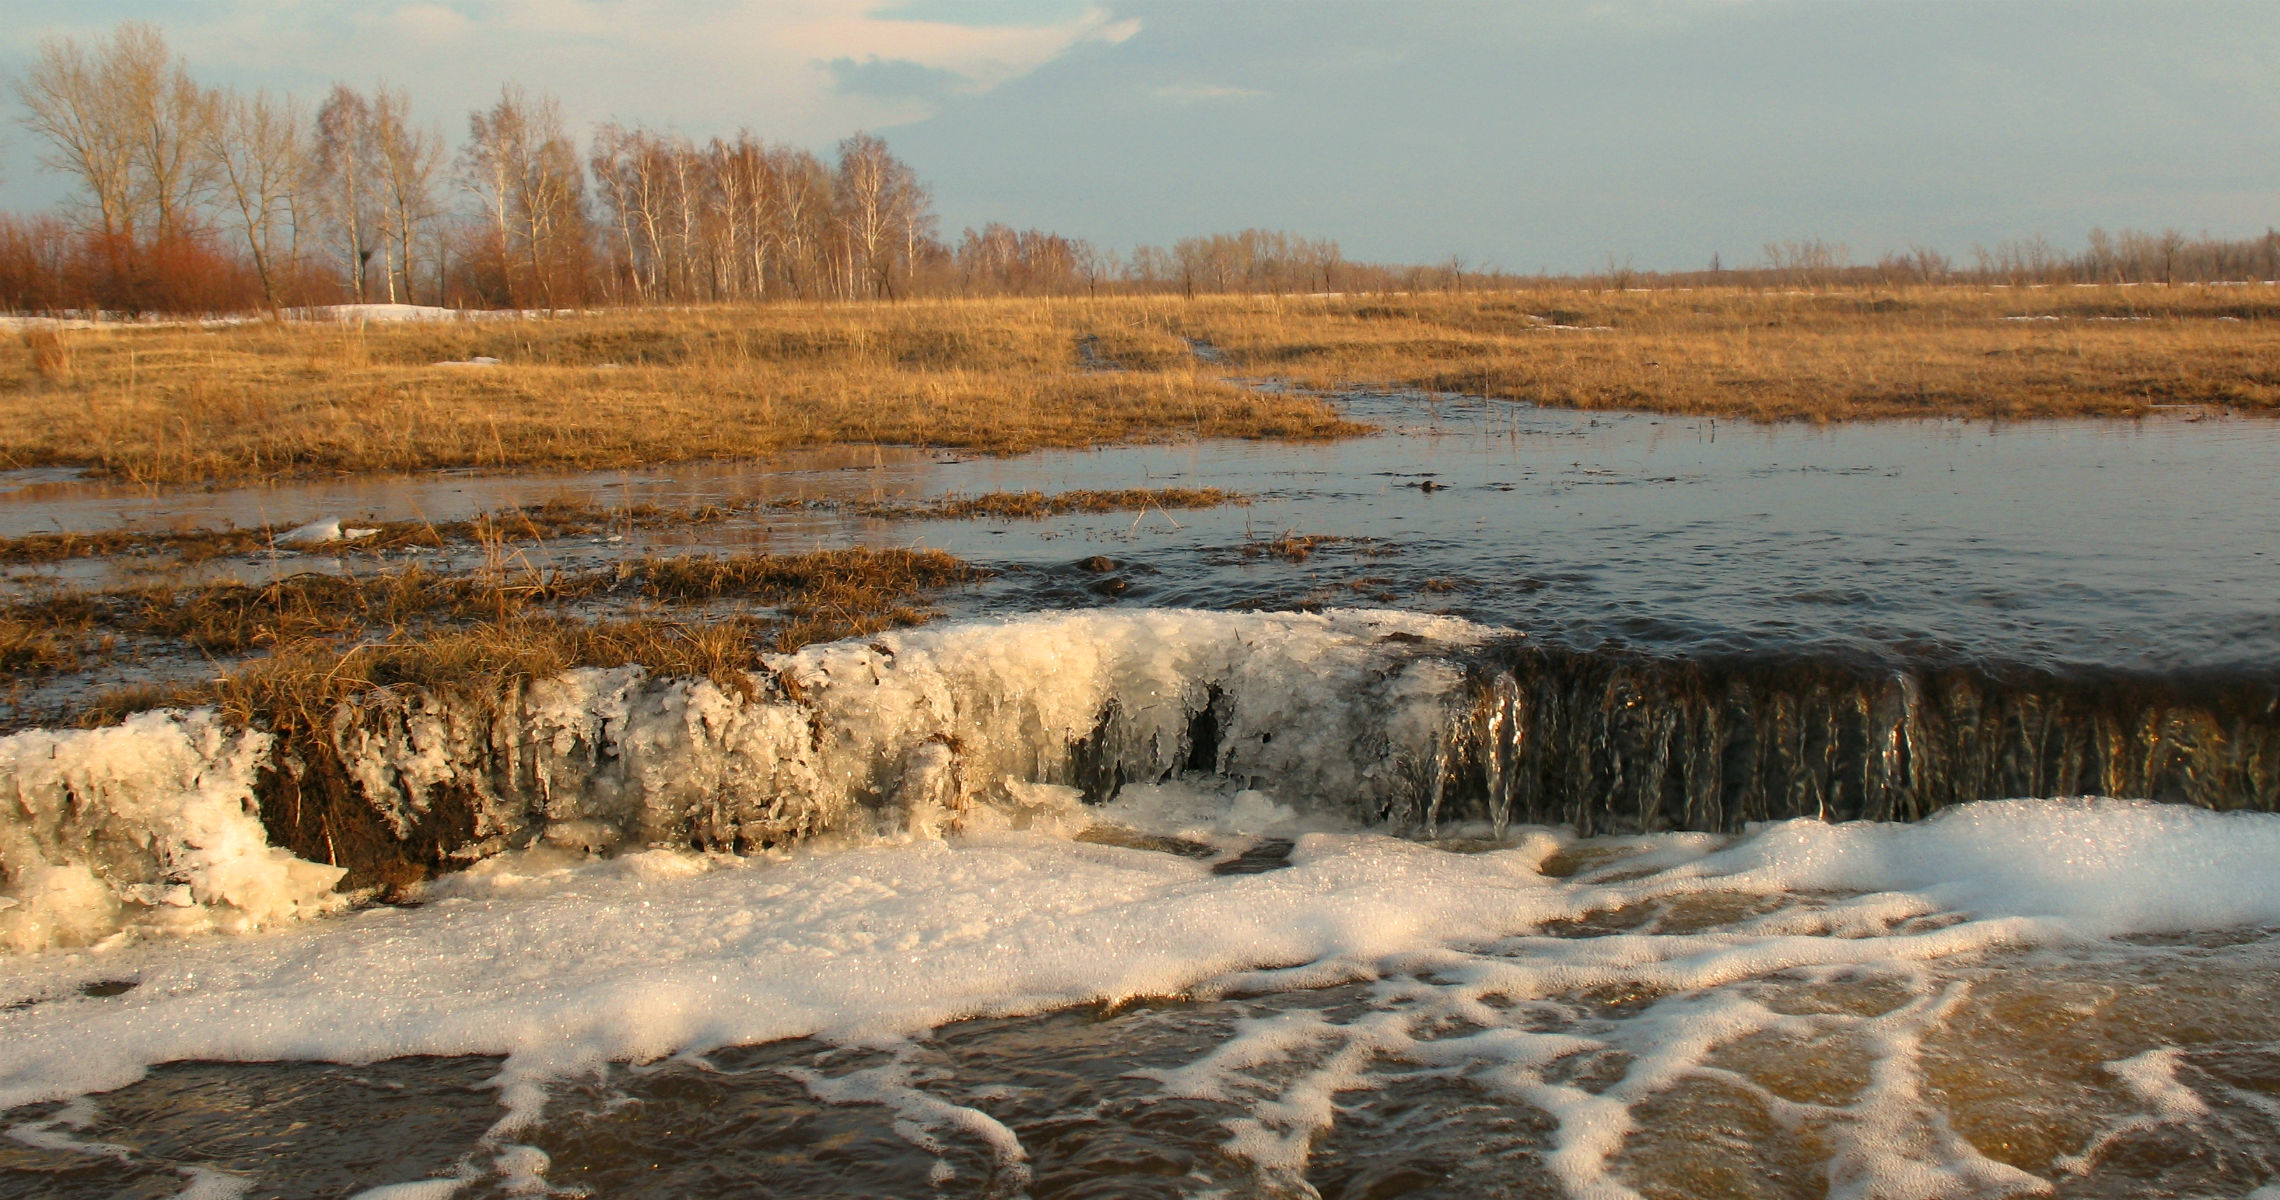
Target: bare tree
x=128, y=120
x=880, y=203
x=173, y=119
x=407, y=158
x=257, y=148
x=344, y=179
x=69, y=102
x=525, y=173
x=801, y=192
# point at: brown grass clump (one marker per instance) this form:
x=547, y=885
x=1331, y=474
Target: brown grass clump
x=816, y=591
x=50, y=358
x=37, y=648
x=1290, y=547
x=330, y=639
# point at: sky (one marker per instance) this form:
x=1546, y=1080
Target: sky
x=1524, y=134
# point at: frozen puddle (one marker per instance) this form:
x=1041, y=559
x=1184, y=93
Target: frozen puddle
x=2013, y=998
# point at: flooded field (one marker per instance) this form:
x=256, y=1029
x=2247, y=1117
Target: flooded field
x=2054, y=543
x=1450, y=816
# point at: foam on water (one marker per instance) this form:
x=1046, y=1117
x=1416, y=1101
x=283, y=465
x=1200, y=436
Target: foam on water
x=560, y=963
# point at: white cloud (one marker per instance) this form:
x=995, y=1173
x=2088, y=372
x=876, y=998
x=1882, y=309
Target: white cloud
x=706, y=66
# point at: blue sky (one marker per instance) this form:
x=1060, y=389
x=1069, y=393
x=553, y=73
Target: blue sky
x=1516, y=134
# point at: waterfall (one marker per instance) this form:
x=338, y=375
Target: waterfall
x=1398, y=720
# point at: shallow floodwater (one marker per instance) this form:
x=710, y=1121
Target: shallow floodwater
x=2019, y=1067
x=1268, y=996
x=2146, y=544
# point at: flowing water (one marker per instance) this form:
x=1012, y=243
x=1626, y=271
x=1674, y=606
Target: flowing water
x=1651, y=811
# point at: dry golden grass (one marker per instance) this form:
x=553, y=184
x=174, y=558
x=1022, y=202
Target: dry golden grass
x=328, y=638
x=625, y=388
x=1780, y=356
x=619, y=389
x=53, y=631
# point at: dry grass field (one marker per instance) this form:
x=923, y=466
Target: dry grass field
x=630, y=387
x=1781, y=356
x=617, y=389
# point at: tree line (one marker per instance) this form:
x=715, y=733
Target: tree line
x=197, y=198
x=205, y=199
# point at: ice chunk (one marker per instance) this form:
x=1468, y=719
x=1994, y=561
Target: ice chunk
x=148, y=824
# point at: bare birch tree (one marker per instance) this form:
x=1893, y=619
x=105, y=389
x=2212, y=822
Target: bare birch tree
x=257, y=147
x=525, y=173
x=880, y=203
x=344, y=180
x=407, y=158
x=130, y=123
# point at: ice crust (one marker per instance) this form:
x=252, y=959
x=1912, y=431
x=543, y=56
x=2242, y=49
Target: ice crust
x=150, y=825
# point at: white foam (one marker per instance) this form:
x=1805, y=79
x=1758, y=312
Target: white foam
x=559, y=963
x=2094, y=867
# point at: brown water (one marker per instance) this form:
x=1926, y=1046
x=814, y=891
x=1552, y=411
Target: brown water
x=1990, y=1066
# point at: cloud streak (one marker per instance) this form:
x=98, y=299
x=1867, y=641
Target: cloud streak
x=807, y=70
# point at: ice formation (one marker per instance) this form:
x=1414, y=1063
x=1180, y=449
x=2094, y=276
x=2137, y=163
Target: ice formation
x=1290, y=723
x=320, y=532
x=154, y=825
x=148, y=825
x=932, y=729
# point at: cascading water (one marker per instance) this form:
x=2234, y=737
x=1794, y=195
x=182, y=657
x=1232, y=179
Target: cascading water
x=1385, y=719
x=1614, y=742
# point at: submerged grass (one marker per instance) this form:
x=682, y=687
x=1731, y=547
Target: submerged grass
x=230, y=618
x=553, y=519
x=319, y=640
x=561, y=519
x=634, y=387
x=1037, y=506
